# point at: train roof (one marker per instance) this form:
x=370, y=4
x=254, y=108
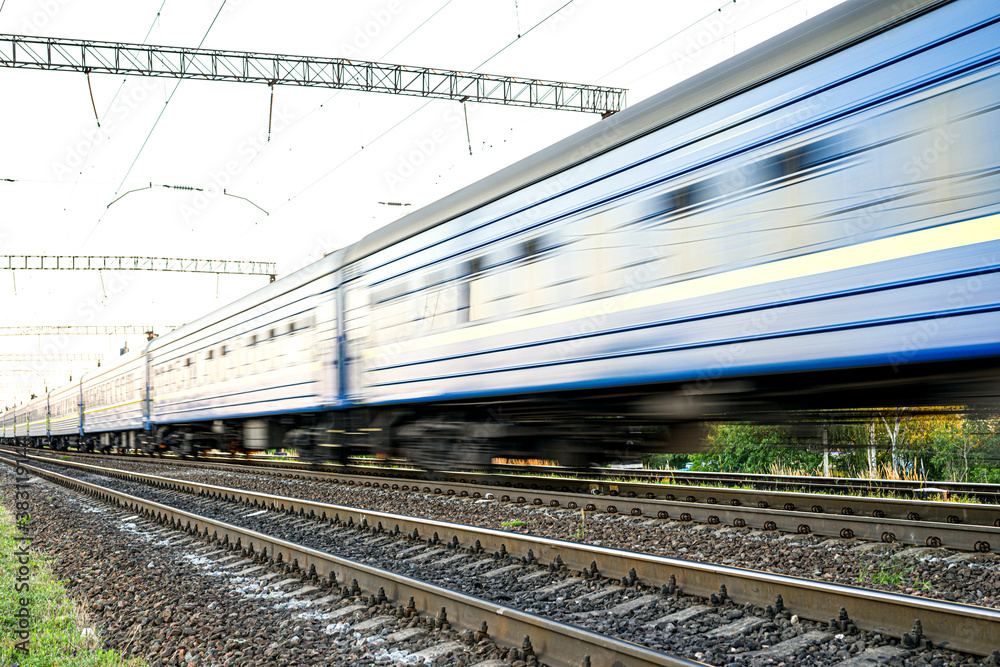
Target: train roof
x=287, y=283
x=90, y=374
x=817, y=38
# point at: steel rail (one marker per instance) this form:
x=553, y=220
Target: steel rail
x=553, y=642
x=984, y=514
x=760, y=481
x=960, y=627
x=828, y=485
x=963, y=526
x=845, y=484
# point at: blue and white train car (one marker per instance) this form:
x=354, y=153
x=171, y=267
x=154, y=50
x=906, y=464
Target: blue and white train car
x=829, y=203
x=7, y=425
x=218, y=380
x=65, y=423
x=815, y=224
x=113, y=401
x=37, y=418
x=20, y=423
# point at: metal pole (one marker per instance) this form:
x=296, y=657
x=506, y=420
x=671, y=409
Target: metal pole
x=826, y=456
x=270, y=114
x=91, y=89
x=468, y=137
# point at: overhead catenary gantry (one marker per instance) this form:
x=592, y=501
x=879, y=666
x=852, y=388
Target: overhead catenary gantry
x=80, y=330
x=128, y=263
x=45, y=357
x=50, y=53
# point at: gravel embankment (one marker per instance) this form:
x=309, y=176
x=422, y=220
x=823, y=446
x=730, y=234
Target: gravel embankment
x=934, y=573
x=171, y=605
x=716, y=633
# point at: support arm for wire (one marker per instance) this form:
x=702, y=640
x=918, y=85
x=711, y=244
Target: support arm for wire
x=157, y=185
x=230, y=194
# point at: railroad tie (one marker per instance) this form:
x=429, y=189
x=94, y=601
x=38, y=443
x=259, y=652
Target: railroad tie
x=787, y=649
x=738, y=628
x=373, y=624
x=433, y=652
x=679, y=616
x=405, y=634
x=880, y=655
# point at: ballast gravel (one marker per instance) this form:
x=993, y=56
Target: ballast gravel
x=938, y=573
x=169, y=605
x=720, y=633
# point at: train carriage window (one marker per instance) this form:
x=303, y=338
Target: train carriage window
x=680, y=198
x=824, y=150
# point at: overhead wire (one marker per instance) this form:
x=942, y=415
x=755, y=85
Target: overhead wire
x=155, y=123
x=111, y=104
x=714, y=41
x=501, y=50
x=674, y=35
x=401, y=121
x=338, y=92
x=664, y=41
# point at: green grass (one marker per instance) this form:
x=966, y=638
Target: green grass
x=56, y=639
x=669, y=480
x=891, y=571
x=513, y=523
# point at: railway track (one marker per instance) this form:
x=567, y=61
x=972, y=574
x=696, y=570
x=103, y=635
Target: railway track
x=652, y=578
x=553, y=642
x=962, y=526
x=884, y=489
x=906, y=489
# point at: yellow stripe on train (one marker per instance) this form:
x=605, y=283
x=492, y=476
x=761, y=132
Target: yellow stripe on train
x=944, y=237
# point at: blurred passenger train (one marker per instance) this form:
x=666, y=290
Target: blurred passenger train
x=812, y=224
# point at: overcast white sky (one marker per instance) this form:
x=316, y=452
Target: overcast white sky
x=332, y=155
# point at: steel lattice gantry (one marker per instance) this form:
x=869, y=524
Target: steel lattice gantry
x=79, y=330
x=208, y=64
x=43, y=357
x=115, y=263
